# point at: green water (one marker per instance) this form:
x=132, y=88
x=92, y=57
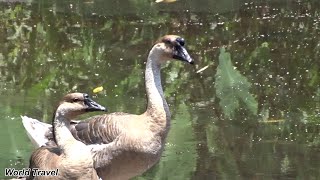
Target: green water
x=252, y=113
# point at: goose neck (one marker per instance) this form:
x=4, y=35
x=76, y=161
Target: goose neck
x=157, y=107
x=61, y=126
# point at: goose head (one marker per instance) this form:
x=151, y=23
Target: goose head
x=172, y=47
x=75, y=104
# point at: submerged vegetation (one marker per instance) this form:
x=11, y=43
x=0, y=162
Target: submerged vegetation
x=247, y=115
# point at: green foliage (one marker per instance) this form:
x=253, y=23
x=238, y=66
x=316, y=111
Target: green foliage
x=49, y=48
x=232, y=88
x=132, y=81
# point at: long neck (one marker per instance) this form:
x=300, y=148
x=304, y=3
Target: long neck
x=62, y=133
x=157, y=107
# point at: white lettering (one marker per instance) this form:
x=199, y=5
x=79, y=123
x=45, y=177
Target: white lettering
x=38, y=172
x=14, y=172
x=27, y=172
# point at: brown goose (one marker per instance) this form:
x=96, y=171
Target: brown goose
x=135, y=141
x=71, y=159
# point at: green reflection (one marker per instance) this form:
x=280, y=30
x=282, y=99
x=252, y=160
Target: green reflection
x=231, y=87
x=49, y=48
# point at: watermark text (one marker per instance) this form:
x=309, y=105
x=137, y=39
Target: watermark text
x=28, y=171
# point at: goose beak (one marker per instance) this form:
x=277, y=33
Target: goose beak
x=182, y=54
x=92, y=105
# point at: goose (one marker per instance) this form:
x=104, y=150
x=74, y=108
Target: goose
x=71, y=159
x=136, y=141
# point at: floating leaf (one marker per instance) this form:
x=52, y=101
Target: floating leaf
x=202, y=69
x=97, y=89
x=165, y=1
x=274, y=121
x=232, y=87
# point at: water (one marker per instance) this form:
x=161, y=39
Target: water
x=252, y=115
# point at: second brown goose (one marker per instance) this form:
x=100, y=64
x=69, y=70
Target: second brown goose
x=70, y=159
x=135, y=142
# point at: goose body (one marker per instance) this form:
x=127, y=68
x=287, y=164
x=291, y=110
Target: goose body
x=70, y=158
x=135, y=141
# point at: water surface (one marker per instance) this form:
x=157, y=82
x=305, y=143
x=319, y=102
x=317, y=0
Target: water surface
x=248, y=109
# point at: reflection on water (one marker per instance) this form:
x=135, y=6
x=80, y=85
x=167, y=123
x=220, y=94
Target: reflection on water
x=252, y=113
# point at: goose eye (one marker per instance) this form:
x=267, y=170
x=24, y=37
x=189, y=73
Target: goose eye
x=167, y=41
x=75, y=100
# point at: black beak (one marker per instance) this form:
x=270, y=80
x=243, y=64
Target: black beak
x=92, y=105
x=182, y=54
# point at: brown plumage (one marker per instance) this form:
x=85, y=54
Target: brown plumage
x=135, y=141
x=72, y=158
